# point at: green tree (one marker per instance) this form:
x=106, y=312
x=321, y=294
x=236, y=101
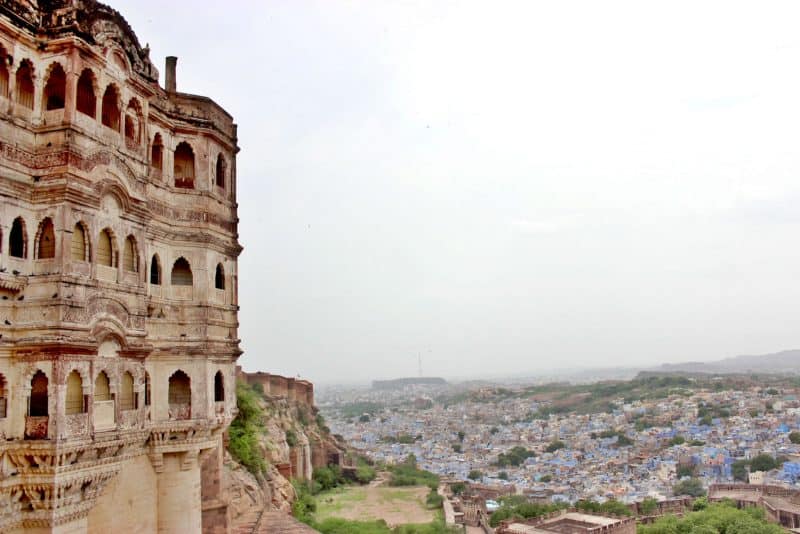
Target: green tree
x=475, y=475
x=794, y=437
x=502, y=475
x=556, y=445
x=692, y=487
x=458, y=488
x=461, y=436
x=648, y=506
x=739, y=469
x=677, y=440
x=763, y=462
x=714, y=519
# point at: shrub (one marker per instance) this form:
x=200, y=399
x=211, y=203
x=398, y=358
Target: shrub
x=245, y=429
x=475, y=475
x=648, y=506
x=365, y=474
x=794, y=437
x=434, y=500
x=692, y=487
x=291, y=438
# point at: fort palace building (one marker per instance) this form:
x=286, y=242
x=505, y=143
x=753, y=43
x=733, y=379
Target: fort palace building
x=118, y=297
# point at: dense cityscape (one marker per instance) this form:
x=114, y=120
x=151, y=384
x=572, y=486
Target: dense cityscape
x=527, y=438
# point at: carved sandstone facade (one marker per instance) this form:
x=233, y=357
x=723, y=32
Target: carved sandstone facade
x=118, y=285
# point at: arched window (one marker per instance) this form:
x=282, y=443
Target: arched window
x=181, y=273
x=18, y=247
x=146, y=388
x=102, y=390
x=3, y=73
x=220, y=171
x=105, y=249
x=46, y=240
x=3, y=397
x=183, y=170
x=56, y=88
x=219, y=387
x=110, y=111
x=86, y=99
x=126, y=398
x=25, y=84
x=219, y=277
x=155, y=271
x=130, y=259
x=74, y=402
x=180, y=396
x=38, y=405
x=157, y=153
x=79, y=251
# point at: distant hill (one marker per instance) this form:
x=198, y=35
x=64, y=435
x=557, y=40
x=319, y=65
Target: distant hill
x=399, y=383
x=787, y=361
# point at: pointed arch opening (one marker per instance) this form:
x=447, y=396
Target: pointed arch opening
x=180, y=396
x=110, y=110
x=155, y=270
x=219, y=277
x=38, y=406
x=220, y=171
x=106, y=249
x=157, y=153
x=126, y=396
x=181, y=273
x=183, y=169
x=79, y=245
x=219, y=387
x=102, y=387
x=46, y=240
x=18, y=239
x=24, y=86
x=74, y=401
x=86, y=101
x=4, y=75
x=130, y=256
x=3, y=397
x=55, y=89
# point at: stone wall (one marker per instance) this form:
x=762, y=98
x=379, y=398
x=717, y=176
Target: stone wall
x=293, y=389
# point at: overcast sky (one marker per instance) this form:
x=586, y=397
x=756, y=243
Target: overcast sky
x=503, y=187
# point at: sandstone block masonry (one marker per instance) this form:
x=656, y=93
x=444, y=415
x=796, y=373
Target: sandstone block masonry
x=118, y=281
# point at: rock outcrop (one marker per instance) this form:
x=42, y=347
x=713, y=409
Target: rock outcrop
x=293, y=441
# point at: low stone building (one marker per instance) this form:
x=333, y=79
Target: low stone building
x=570, y=522
x=780, y=504
x=118, y=281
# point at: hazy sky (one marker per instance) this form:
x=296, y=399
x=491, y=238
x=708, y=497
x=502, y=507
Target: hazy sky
x=503, y=187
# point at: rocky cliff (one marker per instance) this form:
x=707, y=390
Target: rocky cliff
x=290, y=439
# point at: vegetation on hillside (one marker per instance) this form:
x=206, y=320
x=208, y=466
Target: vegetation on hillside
x=245, y=429
x=715, y=519
x=407, y=474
